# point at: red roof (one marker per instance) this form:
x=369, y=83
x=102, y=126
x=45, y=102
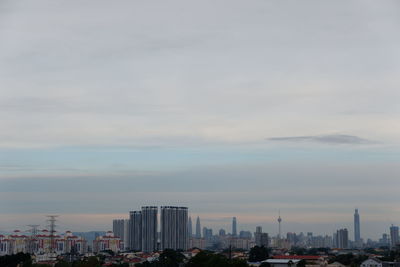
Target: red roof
x=296, y=257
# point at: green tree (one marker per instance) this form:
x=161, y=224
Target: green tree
x=258, y=254
x=171, y=258
x=62, y=263
x=13, y=260
x=210, y=259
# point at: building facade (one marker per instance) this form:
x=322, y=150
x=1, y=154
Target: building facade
x=149, y=228
x=357, y=235
x=174, y=234
x=135, y=230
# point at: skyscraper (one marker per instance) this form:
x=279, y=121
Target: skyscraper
x=198, y=228
x=121, y=230
x=357, y=237
x=190, y=225
x=234, y=227
x=118, y=228
x=342, y=238
x=135, y=230
x=222, y=232
x=149, y=228
x=174, y=223
x=264, y=240
x=394, y=235
x=257, y=236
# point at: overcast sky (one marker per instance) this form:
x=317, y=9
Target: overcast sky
x=233, y=108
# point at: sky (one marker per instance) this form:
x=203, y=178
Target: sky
x=232, y=108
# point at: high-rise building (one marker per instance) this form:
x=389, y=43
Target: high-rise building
x=121, y=230
x=198, y=228
x=222, y=232
x=384, y=240
x=207, y=233
x=357, y=236
x=257, y=236
x=264, y=240
x=174, y=234
x=234, y=227
x=394, y=235
x=190, y=225
x=149, y=228
x=342, y=238
x=135, y=230
x=118, y=227
x=245, y=234
x=126, y=234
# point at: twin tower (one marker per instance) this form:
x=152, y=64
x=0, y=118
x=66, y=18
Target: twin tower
x=143, y=229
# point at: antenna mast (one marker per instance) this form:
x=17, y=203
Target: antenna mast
x=32, y=239
x=52, y=225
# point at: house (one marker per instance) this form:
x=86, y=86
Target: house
x=373, y=262
x=282, y=262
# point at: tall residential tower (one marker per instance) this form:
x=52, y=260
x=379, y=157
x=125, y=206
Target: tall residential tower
x=135, y=230
x=174, y=228
x=149, y=228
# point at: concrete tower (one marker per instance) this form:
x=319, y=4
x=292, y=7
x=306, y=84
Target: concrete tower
x=394, y=236
x=357, y=237
x=135, y=230
x=190, y=225
x=174, y=228
x=149, y=228
x=279, y=222
x=198, y=228
x=234, y=227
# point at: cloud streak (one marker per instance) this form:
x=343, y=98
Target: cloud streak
x=334, y=139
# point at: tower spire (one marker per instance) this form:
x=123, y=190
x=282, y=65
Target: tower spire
x=279, y=222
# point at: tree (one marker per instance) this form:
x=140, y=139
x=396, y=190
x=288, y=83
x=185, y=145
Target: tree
x=62, y=263
x=171, y=258
x=13, y=260
x=258, y=254
x=210, y=259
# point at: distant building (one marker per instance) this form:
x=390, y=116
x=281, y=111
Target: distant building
x=245, y=234
x=197, y=243
x=121, y=230
x=174, y=234
x=342, y=238
x=264, y=240
x=282, y=262
x=234, y=227
x=394, y=235
x=149, y=228
x=207, y=233
x=135, y=230
x=257, y=235
x=222, y=232
x=198, y=228
x=41, y=243
x=107, y=242
x=384, y=240
x=190, y=227
x=373, y=262
x=357, y=236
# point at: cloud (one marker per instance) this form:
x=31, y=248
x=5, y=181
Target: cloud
x=327, y=139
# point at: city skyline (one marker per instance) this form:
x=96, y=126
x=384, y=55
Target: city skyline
x=135, y=224
x=239, y=110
